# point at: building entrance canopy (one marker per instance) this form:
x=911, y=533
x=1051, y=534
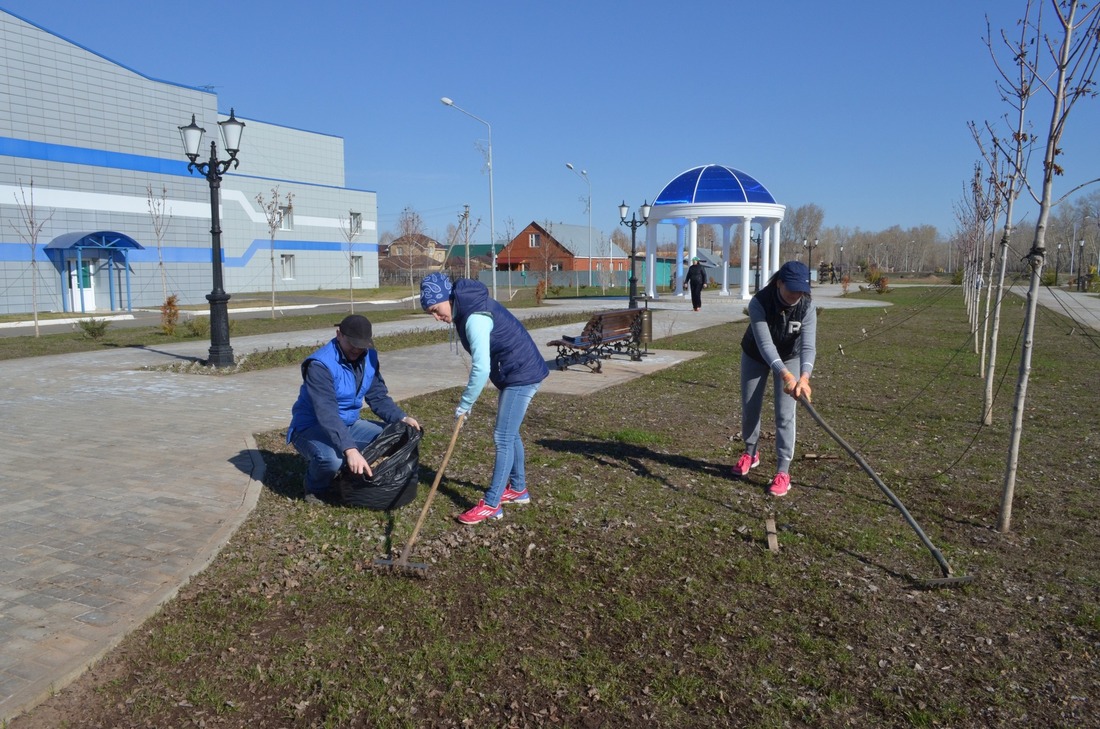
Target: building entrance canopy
x=84, y=248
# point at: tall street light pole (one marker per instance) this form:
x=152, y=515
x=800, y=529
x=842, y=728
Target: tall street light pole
x=583, y=174
x=1081, y=267
x=634, y=224
x=221, y=353
x=810, y=256
x=492, y=222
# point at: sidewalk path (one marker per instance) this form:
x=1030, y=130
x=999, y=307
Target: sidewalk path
x=120, y=484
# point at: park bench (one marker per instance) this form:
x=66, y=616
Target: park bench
x=606, y=333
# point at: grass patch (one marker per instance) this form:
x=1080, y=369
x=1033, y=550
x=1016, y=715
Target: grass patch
x=638, y=589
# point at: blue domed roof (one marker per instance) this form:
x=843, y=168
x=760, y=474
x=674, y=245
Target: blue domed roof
x=714, y=184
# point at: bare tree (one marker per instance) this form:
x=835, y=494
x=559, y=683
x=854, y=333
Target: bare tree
x=29, y=228
x=351, y=227
x=411, y=238
x=1074, y=50
x=276, y=212
x=804, y=223
x=161, y=216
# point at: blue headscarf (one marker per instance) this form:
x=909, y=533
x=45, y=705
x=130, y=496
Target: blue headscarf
x=434, y=288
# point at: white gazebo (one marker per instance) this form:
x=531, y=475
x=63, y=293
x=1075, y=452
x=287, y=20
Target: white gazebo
x=715, y=195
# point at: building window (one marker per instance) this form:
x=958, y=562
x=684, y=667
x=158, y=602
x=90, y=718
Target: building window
x=533, y=240
x=555, y=266
x=357, y=267
x=286, y=261
x=355, y=220
x=286, y=217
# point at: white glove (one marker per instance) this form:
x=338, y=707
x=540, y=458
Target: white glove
x=459, y=412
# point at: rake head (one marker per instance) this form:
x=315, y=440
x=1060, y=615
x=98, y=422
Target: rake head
x=401, y=567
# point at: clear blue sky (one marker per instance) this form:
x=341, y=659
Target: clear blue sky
x=858, y=106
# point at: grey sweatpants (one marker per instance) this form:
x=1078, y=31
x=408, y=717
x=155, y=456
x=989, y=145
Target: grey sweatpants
x=754, y=377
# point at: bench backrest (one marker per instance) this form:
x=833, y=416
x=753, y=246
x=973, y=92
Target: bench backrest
x=611, y=324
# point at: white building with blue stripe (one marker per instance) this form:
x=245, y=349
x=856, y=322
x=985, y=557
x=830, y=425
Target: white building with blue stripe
x=89, y=144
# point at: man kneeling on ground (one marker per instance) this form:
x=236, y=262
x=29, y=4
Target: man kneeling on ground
x=325, y=426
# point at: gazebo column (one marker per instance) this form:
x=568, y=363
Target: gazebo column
x=746, y=255
x=776, y=240
x=764, y=261
x=651, y=259
x=725, y=259
x=693, y=238
x=678, y=287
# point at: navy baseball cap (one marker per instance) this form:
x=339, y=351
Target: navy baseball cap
x=795, y=276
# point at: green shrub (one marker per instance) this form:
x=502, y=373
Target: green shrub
x=94, y=329
x=198, y=326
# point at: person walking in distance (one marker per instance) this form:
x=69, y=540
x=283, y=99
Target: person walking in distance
x=501, y=351
x=780, y=340
x=697, y=278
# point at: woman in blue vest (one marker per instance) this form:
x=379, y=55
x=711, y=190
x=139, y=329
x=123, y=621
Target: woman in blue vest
x=325, y=426
x=781, y=339
x=501, y=351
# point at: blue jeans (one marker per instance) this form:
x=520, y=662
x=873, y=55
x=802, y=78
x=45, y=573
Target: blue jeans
x=510, y=465
x=323, y=461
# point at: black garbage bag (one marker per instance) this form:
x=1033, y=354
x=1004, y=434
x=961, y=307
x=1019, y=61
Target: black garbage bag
x=394, y=457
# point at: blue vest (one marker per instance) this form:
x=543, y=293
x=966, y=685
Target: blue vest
x=514, y=359
x=784, y=336
x=349, y=399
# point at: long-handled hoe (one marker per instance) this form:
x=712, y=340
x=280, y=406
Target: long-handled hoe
x=949, y=579
x=401, y=565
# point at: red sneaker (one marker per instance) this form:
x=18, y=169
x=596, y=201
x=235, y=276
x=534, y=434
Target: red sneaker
x=480, y=513
x=745, y=462
x=781, y=484
x=511, y=496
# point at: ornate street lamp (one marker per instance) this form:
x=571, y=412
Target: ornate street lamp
x=492, y=221
x=634, y=224
x=221, y=353
x=810, y=256
x=757, y=239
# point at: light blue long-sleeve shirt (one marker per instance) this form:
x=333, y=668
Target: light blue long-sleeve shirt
x=479, y=327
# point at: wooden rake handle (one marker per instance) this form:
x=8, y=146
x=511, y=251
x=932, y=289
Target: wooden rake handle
x=431, y=494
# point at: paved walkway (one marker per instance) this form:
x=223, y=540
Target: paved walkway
x=120, y=484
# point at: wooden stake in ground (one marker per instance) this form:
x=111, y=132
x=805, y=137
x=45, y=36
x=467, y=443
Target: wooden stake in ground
x=773, y=537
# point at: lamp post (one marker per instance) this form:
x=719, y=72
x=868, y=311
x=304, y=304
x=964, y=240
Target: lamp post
x=756, y=238
x=1057, y=265
x=810, y=255
x=583, y=174
x=634, y=224
x=1081, y=266
x=221, y=353
x=841, y=271
x=492, y=223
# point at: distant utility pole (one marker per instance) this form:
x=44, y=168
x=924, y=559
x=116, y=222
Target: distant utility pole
x=466, y=227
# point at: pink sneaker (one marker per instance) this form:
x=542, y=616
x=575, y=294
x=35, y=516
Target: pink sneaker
x=511, y=496
x=781, y=484
x=480, y=513
x=745, y=462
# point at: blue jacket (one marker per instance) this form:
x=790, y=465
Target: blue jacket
x=514, y=357
x=352, y=382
